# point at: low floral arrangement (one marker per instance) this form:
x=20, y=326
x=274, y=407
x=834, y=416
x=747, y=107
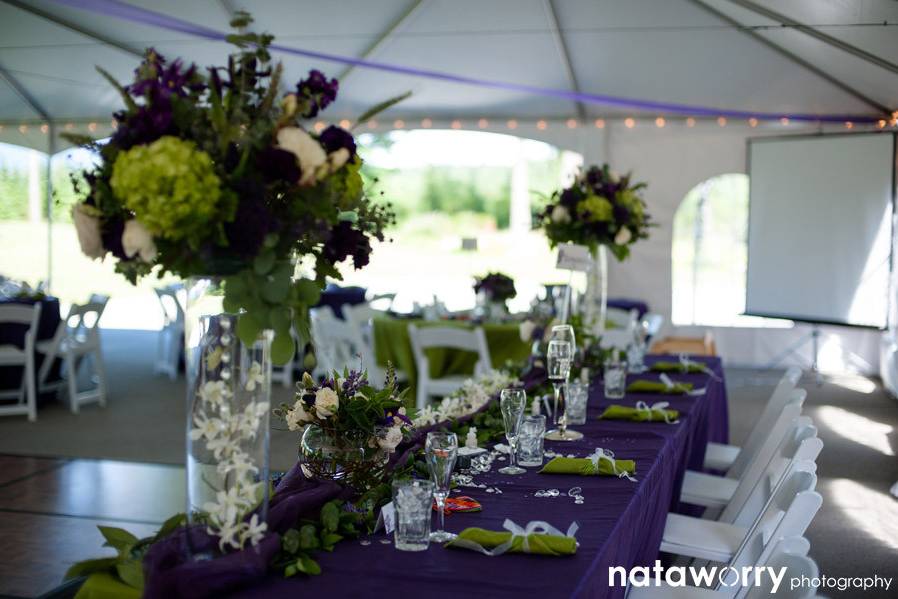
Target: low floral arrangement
x=600, y=208
x=496, y=287
x=212, y=173
x=471, y=397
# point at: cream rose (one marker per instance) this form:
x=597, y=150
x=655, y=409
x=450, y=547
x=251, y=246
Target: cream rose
x=297, y=416
x=525, y=330
x=337, y=159
x=327, y=402
x=136, y=239
x=391, y=439
x=88, y=227
x=560, y=215
x=623, y=236
x=307, y=150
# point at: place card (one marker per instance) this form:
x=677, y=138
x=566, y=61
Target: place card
x=573, y=257
x=386, y=519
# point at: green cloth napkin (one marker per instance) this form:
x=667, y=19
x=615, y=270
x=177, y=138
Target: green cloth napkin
x=584, y=467
x=102, y=585
x=678, y=367
x=642, y=386
x=616, y=412
x=539, y=544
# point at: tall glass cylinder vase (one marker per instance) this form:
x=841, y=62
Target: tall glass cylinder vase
x=228, y=407
x=595, y=300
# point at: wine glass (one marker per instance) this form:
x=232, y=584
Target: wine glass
x=512, y=402
x=564, y=332
x=441, y=450
x=559, y=359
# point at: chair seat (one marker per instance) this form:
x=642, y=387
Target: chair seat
x=665, y=591
x=707, y=490
x=10, y=354
x=720, y=457
x=704, y=539
x=447, y=384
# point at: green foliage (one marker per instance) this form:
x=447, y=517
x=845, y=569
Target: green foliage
x=299, y=545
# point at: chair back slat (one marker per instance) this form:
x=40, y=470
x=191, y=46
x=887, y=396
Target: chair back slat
x=19, y=313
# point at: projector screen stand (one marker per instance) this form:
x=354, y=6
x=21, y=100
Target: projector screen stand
x=813, y=337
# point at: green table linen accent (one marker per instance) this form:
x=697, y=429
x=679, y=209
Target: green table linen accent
x=678, y=367
x=616, y=412
x=539, y=544
x=642, y=386
x=102, y=585
x=391, y=343
x=584, y=467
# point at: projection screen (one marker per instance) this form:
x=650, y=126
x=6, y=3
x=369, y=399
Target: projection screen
x=820, y=228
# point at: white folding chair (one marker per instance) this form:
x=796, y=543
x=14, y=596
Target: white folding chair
x=787, y=510
x=754, y=553
x=424, y=338
x=360, y=317
x=11, y=355
x=171, y=337
x=653, y=323
x=622, y=319
x=791, y=554
x=787, y=432
x=733, y=459
x=77, y=342
x=337, y=345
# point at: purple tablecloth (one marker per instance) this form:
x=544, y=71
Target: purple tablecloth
x=14, y=334
x=621, y=522
x=622, y=303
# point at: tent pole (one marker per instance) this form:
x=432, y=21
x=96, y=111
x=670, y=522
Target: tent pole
x=561, y=44
x=51, y=148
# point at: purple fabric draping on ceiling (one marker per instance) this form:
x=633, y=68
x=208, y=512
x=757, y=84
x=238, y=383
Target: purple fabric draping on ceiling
x=136, y=14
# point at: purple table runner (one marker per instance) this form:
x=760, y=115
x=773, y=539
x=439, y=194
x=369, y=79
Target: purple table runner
x=621, y=522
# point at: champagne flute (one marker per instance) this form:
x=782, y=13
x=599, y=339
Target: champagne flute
x=441, y=450
x=559, y=359
x=512, y=402
x=565, y=332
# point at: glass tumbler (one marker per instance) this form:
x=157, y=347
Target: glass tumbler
x=615, y=379
x=578, y=394
x=530, y=440
x=412, y=500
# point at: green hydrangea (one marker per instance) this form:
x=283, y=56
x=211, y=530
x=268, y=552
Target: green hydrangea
x=629, y=200
x=595, y=208
x=170, y=185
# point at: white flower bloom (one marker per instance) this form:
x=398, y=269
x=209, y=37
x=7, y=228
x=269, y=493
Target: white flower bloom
x=560, y=215
x=623, y=236
x=327, y=402
x=239, y=465
x=206, y=427
x=88, y=228
x=307, y=150
x=613, y=176
x=136, y=240
x=254, y=531
x=337, y=159
x=426, y=416
x=297, y=416
x=214, y=392
x=254, y=377
x=222, y=446
x=391, y=439
x=227, y=535
x=525, y=330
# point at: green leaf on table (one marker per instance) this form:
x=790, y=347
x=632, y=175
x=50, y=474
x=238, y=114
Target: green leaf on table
x=308, y=539
x=308, y=566
x=282, y=348
x=131, y=572
x=329, y=539
x=90, y=566
x=290, y=541
x=330, y=516
x=118, y=538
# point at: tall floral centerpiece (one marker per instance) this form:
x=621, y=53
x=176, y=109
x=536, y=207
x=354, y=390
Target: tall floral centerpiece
x=604, y=212
x=211, y=176
x=493, y=291
x=349, y=428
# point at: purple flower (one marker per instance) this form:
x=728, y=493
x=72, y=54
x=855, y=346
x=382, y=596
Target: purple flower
x=344, y=241
x=317, y=91
x=496, y=286
x=334, y=138
x=355, y=381
x=594, y=175
x=276, y=164
x=569, y=197
x=252, y=221
x=112, y=238
x=621, y=214
x=146, y=125
x=155, y=80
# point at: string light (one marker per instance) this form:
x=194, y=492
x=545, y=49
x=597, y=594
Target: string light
x=571, y=123
x=660, y=122
x=690, y=122
x=113, y=123
x=541, y=125
x=752, y=122
x=483, y=123
x=722, y=121
x=2, y=127
x=784, y=121
x=456, y=124
x=398, y=124
x=92, y=127
x=849, y=125
x=319, y=126
x=345, y=124
x=45, y=128
x=426, y=123
x=23, y=129
x=629, y=123
x=881, y=123
x=600, y=123
x=372, y=124
x=512, y=124
x=894, y=120
x=69, y=126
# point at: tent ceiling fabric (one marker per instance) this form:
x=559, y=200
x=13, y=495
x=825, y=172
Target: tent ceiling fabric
x=663, y=50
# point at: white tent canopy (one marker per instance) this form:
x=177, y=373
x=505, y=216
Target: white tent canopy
x=807, y=56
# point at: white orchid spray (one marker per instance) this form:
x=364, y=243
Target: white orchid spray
x=471, y=397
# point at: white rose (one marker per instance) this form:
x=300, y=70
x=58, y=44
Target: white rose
x=337, y=159
x=297, y=416
x=88, y=227
x=613, y=176
x=137, y=240
x=623, y=236
x=560, y=215
x=391, y=439
x=526, y=329
x=326, y=402
x=307, y=150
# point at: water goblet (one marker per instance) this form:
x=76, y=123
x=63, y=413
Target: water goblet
x=441, y=451
x=559, y=358
x=513, y=403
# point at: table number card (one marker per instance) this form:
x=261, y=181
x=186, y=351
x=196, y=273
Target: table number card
x=386, y=518
x=573, y=257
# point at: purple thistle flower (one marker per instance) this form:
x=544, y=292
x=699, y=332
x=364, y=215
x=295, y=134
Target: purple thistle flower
x=334, y=138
